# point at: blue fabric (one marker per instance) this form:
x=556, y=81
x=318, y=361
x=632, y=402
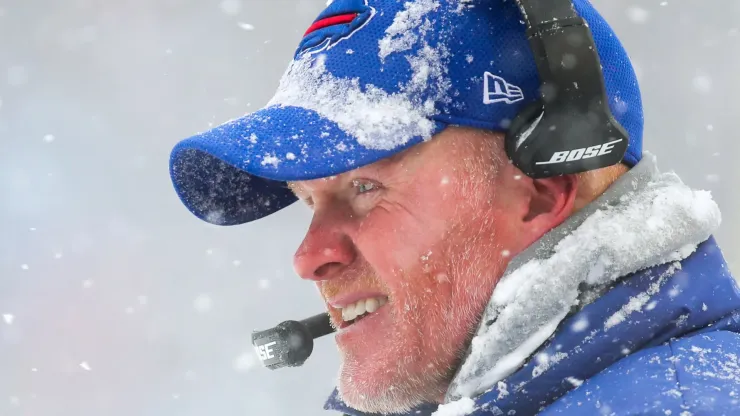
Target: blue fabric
x=282, y=143
x=680, y=352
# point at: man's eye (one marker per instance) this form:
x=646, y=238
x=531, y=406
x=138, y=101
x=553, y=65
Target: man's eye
x=363, y=186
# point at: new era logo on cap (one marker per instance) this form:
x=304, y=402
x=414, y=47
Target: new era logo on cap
x=497, y=90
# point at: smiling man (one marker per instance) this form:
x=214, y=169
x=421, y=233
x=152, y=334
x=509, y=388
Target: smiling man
x=427, y=233
x=479, y=256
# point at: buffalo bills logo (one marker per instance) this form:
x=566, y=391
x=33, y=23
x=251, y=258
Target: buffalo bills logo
x=337, y=22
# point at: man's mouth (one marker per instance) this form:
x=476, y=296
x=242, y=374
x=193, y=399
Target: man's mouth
x=354, y=312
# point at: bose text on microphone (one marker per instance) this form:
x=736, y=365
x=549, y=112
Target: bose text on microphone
x=290, y=343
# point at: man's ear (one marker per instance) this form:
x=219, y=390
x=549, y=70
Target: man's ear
x=551, y=201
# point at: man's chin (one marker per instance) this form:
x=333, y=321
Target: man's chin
x=377, y=388
x=372, y=394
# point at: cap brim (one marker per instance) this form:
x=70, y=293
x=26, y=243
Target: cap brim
x=237, y=172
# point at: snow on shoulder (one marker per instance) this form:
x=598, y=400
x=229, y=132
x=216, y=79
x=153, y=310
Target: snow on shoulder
x=658, y=221
x=460, y=407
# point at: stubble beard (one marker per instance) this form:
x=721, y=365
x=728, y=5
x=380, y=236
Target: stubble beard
x=403, y=384
x=399, y=388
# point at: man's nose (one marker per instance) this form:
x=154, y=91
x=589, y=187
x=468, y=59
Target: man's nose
x=325, y=251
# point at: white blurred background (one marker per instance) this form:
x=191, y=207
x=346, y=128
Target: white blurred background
x=116, y=301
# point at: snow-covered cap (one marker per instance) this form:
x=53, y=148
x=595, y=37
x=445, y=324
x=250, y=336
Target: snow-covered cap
x=371, y=78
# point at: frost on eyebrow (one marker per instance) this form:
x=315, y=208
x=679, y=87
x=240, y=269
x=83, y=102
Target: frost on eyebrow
x=301, y=193
x=297, y=189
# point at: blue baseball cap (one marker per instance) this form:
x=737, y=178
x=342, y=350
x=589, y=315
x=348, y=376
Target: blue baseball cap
x=371, y=78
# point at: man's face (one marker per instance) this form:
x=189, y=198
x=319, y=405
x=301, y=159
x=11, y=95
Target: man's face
x=416, y=242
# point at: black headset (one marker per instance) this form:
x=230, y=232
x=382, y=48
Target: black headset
x=570, y=129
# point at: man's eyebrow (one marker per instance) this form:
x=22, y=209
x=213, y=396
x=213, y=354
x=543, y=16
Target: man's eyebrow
x=299, y=193
x=294, y=187
x=378, y=166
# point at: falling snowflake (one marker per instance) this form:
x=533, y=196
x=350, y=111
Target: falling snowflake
x=638, y=14
x=203, y=303
x=580, y=325
x=231, y=7
x=244, y=362
x=574, y=381
x=703, y=84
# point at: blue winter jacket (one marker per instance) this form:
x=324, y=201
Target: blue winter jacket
x=661, y=340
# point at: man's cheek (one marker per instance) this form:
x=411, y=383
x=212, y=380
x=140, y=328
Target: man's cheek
x=395, y=235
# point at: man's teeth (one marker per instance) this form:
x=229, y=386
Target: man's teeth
x=370, y=305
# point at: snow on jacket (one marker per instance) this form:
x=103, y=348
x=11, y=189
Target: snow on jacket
x=628, y=308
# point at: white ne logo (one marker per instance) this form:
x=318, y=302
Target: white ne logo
x=497, y=90
x=265, y=352
x=580, y=154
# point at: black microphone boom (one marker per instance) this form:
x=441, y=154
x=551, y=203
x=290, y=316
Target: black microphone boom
x=291, y=342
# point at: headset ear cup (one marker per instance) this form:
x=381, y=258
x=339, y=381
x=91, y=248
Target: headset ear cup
x=519, y=125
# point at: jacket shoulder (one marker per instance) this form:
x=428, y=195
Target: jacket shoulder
x=696, y=375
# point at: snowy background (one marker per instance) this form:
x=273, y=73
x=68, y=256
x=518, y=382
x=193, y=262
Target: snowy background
x=116, y=301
